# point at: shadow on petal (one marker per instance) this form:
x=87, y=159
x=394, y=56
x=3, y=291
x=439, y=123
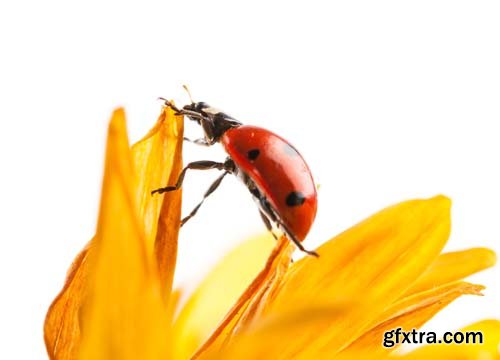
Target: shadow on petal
x=220, y=290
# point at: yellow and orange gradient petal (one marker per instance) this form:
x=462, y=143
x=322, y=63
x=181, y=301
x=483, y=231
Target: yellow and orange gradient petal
x=383, y=273
x=127, y=250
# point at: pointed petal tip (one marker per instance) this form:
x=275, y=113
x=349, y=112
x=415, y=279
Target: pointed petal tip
x=437, y=210
x=490, y=257
x=474, y=289
x=441, y=203
x=484, y=257
x=117, y=122
x=119, y=110
x=442, y=199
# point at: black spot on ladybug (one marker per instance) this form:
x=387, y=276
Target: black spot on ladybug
x=253, y=154
x=290, y=150
x=295, y=198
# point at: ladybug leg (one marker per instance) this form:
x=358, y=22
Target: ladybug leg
x=192, y=114
x=178, y=111
x=268, y=211
x=200, y=141
x=267, y=222
x=210, y=190
x=297, y=242
x=195, y=165
x=171, y=105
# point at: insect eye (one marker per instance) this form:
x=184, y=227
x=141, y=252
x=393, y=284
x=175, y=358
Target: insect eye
x=199, y=106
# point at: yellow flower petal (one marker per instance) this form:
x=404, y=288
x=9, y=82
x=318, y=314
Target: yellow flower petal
x=125, y=316
x=454, y=266
x=218, y=292
x=376, y=260
x=248, y=305
x=163, y=143
x=490, y=349
x=274, y=335
x=157, y=160
x=421, y=299
x=411, y=313
x=270, y=338
x=61, y=328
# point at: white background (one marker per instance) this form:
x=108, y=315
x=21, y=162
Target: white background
x=387, y=100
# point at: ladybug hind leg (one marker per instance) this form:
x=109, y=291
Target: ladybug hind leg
x=296, y=241
x=268, y=224
x=210, y=190
x=269, y=214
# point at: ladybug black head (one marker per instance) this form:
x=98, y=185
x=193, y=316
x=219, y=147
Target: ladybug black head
x=213, y=121
x=196, y=106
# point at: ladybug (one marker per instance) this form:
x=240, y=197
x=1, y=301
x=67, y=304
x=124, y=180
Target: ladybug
x=271, y=168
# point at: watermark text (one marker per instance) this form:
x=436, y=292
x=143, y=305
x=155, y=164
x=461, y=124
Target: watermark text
x=398, y=336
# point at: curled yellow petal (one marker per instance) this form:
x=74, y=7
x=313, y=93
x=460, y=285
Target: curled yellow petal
x=249, y=305
x=376, y=260
x=488, y=349
x=411, y=302
x=410, y=313
x=453, y=266
x=61, y=328
x=157, y=159
x=218, y=292
x=125, y=316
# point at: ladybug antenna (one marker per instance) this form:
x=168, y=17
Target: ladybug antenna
x=188, y=92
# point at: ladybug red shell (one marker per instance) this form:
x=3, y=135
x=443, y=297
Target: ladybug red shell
x=272, y=169
x=279, y=172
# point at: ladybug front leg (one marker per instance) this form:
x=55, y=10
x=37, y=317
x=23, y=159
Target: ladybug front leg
x=195, y=165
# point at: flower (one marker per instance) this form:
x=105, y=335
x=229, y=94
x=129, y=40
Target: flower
x=383, y=273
